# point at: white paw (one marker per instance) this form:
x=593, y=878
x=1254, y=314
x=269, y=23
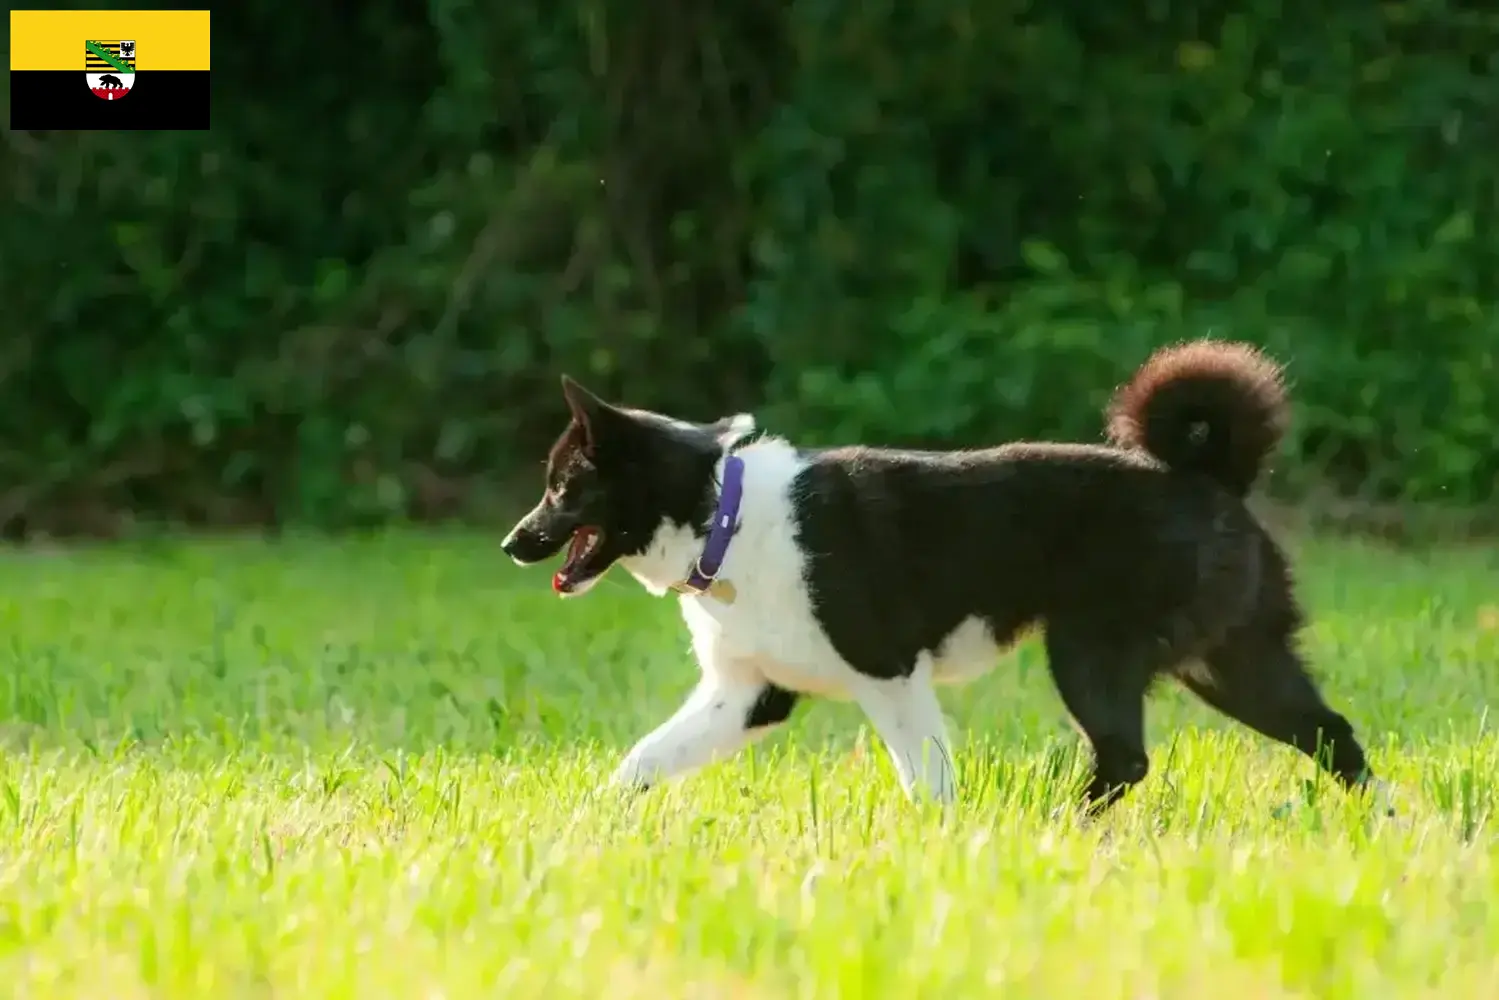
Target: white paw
x=1380, y=798
x=633, y=774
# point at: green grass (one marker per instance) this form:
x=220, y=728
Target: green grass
x=374, y=769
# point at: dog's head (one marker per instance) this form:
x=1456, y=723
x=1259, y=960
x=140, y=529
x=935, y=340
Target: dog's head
x=614, y=476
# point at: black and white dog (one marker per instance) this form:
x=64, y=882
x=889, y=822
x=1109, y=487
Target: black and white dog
x=875, y=574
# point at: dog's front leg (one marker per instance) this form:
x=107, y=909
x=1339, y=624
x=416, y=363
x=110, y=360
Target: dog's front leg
x=719, y=718
x=908, y=717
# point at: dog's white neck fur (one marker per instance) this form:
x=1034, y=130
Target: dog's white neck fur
x=770, y=466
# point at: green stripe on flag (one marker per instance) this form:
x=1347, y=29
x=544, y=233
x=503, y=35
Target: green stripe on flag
x=119, y=64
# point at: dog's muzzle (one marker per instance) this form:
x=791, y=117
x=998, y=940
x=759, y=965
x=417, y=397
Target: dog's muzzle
x=526, y=544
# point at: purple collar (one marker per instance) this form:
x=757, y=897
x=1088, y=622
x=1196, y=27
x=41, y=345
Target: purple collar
x=725, y=523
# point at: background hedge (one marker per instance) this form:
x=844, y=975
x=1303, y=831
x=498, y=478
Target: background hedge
x=951, y=221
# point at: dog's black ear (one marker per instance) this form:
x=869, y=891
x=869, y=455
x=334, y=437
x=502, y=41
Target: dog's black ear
x=589, y=412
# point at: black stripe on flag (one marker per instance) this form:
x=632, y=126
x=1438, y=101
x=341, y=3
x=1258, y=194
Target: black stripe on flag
x=61, y=99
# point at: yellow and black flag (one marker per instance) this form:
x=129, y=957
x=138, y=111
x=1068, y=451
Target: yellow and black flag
x=108, y=69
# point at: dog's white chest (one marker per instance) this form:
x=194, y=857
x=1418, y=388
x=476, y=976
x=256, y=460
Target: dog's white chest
x=771, y=635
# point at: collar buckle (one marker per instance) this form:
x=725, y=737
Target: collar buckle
x=699, y=582
x=695, y=589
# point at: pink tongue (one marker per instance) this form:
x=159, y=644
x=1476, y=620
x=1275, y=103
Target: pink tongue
x=560, y=583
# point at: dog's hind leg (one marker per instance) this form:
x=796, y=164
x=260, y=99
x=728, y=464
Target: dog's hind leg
x=1103, y=685
x=1260, y=681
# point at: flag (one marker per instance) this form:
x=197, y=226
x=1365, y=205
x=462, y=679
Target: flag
x=109, y=69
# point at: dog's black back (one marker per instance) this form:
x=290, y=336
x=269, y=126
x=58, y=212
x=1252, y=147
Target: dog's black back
x=902, y=547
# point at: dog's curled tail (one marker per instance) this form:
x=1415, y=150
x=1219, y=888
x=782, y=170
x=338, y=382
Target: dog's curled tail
x=1210, y=407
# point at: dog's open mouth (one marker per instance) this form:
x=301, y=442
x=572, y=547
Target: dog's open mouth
x=581, y=566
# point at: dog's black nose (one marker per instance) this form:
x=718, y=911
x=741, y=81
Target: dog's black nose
x=521, y=546
x=510, y=543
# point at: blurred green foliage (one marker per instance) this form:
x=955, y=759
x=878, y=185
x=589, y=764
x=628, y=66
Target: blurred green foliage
x=944, y=222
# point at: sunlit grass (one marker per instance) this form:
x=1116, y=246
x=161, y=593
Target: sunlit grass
x=374, y=769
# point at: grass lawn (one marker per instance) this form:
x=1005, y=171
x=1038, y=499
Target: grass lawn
x=373, y=769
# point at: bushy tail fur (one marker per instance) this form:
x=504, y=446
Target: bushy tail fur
x=1210, y=407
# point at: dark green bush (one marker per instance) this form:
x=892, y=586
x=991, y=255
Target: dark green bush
x=950, y=222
